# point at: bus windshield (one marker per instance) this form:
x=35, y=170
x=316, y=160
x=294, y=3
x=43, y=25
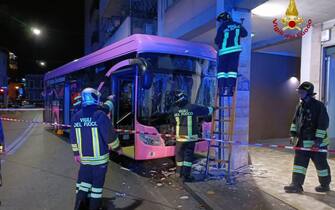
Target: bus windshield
x=194, y=76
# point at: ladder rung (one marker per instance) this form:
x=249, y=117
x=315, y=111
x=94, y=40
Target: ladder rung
x=220, y=146
x=220, y=161
x=224, y=107
x=217, y=120
x=217, y=132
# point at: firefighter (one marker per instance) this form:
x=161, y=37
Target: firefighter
x=228, y=41
x=2, y=138
x=92, y=135
x=309, y=130
x=185, y=116
x=2, y=149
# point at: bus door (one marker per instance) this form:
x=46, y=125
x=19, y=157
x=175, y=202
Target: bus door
x=67, y=101
x=329, y=93
x=123, y=87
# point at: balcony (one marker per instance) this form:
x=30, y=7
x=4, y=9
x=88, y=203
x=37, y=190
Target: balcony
x=131, y=25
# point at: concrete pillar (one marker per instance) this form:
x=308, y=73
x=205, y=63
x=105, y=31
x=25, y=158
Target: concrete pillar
x=240, y=154
x=160, y=17
x=311, y=52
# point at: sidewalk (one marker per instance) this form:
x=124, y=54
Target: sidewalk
x=262, y=188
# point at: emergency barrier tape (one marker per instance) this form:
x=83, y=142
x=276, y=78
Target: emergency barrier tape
x=22, y=109
x=124, y=131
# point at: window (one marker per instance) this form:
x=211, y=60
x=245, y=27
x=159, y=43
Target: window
x=194, y=76
x=170, y=3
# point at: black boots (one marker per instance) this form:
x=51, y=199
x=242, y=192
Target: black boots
x=293, y=188
x=188, y=179
x=322, y=188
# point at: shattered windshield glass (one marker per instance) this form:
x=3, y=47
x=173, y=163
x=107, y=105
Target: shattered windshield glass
x=194, y=76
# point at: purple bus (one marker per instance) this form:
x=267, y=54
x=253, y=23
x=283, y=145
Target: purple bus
x=142, y=71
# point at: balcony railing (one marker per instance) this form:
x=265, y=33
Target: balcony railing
x=114, y=32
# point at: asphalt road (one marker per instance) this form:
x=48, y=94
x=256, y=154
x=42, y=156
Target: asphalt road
x=39, y=173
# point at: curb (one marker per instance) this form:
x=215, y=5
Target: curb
x=197, y=197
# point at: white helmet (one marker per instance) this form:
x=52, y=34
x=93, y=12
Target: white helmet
x=90, y=96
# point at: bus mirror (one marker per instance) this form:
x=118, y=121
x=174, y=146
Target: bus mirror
x=147, y=79
x=146, y=71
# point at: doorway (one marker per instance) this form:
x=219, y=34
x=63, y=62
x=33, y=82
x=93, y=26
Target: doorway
x=329, y=93
x=123, y=87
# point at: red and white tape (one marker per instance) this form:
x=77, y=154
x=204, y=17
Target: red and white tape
x=21, y=109
x=124, y=131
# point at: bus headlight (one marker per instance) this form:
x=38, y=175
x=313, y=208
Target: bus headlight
x=150, y=140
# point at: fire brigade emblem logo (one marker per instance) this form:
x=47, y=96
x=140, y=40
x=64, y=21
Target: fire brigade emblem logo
x=292, y=23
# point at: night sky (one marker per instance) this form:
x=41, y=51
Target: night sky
x=62, y=38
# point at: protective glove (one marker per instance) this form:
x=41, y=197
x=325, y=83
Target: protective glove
x=119, y=151
x=294, y=141
x=77, y=159
x=317, y=143
x=111, y=97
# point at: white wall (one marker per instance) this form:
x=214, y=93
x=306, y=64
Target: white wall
x=122, y=32
x=174, y=18
x=187, y=19
x=311, y=52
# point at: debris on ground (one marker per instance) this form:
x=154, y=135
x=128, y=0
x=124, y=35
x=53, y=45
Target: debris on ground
x=167, y=174
x=118, y=194
x=210, y=192
x=254, y=171
x=199, y=167
x=123, y=168
x=184, y=197
x=159, y=184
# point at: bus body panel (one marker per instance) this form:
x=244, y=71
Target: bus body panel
x=150, y=151
x=136, y=43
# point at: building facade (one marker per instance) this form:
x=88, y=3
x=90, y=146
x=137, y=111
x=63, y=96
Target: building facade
x=271, y=67
x=34, y=88
x=200, y=26
x=108, y=21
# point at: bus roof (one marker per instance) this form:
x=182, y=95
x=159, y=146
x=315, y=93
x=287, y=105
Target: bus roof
x=136, y=43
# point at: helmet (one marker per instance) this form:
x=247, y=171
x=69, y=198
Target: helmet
x=307, y=86
x=90, y=96
x=180, y=98
x=224, y=16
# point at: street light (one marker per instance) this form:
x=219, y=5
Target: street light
x=42, y=63
x=36, y=31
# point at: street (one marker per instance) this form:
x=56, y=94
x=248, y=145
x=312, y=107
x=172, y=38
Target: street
x=39, y=173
